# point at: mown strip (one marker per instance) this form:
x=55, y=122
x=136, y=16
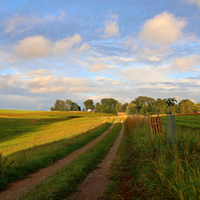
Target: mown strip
x=48, y=157
x=66, y=180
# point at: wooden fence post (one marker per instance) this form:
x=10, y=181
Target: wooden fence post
x=171, y=128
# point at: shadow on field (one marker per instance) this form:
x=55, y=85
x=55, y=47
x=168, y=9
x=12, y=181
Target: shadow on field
x=14, y=127
x=32, y=159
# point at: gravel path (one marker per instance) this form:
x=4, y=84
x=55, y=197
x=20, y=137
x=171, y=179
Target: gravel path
x=18, y=188
x=93, y=187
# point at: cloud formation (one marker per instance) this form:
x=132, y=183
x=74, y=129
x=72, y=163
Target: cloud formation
x=163, y=29
x=197, y=2
x=100, y=66
x=21, y=23
x=40, y=47
x=111, y=27
x=185, y=64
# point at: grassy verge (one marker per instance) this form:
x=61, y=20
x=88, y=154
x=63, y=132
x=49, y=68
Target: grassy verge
x=42, y=156
x=120, y=176
x=162, y=171
x=66, y=180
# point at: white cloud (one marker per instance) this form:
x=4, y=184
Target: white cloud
x=162, y=29
x=21, y=23
x=38, y=72
x=40, y=47
x=100, y=66
x=111, y=27
x=185, y=64
x=197, y=2
x=65, y=45
x=33, y=47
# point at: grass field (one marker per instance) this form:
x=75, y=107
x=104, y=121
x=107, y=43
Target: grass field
x=147, y=167
x=66, y=180
x=34, y=140
x=190, y=121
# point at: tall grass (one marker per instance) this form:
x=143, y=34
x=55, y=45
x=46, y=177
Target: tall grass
x=158, y=170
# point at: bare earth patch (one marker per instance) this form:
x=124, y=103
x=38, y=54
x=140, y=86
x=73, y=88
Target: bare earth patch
x=18, y=188
x=93, y=187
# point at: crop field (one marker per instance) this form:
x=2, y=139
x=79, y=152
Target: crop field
x=28, y=137
x=188, y=121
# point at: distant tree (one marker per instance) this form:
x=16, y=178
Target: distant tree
x=52, y=109
x=131, y=109
x=198, y=107
x=124, y=107
x=60, y=105
x=160, y=105
x=89, y=104
x=118, y=107
x=151, y=108
x=69, y=104
x=109, y=102
x=75, y=107
x=187, y=106
x=97, y=107
x=170, y=102
x=83, y=109
x=142, y=100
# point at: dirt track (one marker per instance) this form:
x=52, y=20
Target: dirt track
x=93, y=187
x=18, y=188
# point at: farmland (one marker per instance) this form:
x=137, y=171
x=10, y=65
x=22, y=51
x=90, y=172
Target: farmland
x=28, y=137
x=146, y=166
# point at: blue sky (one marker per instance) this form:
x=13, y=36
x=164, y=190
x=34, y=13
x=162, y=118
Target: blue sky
x=85, y=49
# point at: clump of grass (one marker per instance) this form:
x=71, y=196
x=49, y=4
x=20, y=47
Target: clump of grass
x=157, y=170
x=4, y=166
x=120, y=176
x=66, y=180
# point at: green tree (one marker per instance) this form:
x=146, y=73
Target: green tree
x=59, y=105
x=170, y=102
x=69, y=104
x=118, y=107
x=124, y=107
x=131, y=109
x=109, y=102
x=52, y=109
x=89, y=104
x=187, y=106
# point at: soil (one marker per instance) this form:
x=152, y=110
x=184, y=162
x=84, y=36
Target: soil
x=93, y=187
x=18, y=188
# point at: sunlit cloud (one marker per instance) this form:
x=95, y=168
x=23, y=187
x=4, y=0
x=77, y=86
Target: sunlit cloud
x=20, y=23
x=162, y=29
x=40, y=47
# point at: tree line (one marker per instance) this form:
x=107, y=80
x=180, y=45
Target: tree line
x=141, y=105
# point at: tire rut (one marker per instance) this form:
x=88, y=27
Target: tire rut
x=20, y=187
x=93, y=187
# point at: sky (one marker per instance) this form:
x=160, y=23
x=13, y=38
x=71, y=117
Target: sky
x=86, y=49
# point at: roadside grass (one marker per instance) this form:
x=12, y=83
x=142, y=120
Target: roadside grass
x=66, y=180
x=120, y=176
x=37, y=157
x=158, y=170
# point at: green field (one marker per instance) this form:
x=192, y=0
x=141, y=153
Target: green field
x=34, y=140
x=188, y=121
x=147, y=167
